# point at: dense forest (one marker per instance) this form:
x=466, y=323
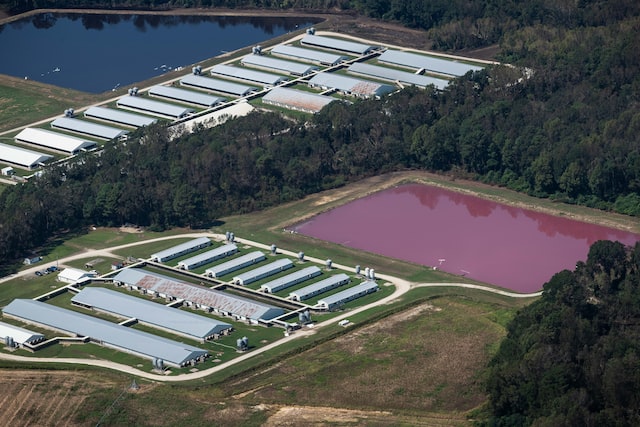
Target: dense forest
x=572, y=357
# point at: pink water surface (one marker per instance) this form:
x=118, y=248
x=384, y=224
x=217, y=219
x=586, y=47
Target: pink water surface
x=510, y=247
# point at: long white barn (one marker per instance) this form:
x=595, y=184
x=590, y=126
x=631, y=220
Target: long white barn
x=181, y=322
x=22, y=157
x=106, y=333
x=54, y=140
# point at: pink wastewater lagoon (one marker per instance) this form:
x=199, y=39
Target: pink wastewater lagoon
x=468, y=236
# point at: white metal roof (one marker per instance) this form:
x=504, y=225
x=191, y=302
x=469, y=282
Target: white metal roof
x=184, y=95
x=150, y=312
x=235, y=264
x=397, y=75
x=138, y=342
x=19, y=335
x=266, y=270
x=22, y=156
x=117, y=116
x=150, y=106
x=337, y=44
x=291, y=279
x=54, y=140
x=216, y=253
x=289, y=67
x=297, y=99
x=217, y=85
x=358, y=87
x=88, y=128
x=348, y=294
x=320, y=286
x=201, y=295
x=310, y=55
x=185, y=247
x=248, y=75
x=72, y=274
x=429, y=63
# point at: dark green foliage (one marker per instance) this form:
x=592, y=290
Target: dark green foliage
x=573, y=357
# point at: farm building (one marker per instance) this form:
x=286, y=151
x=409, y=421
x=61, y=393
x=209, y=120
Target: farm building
x=262, y=272
x=235, y=264
x=350, y=86
x=278, y=65
x=320, y=287
x=88, y=128
x=217, y=85
x=207, y=257
x=337, y=44
x=266, y=79
x=197, y=297
x=181, y=249
x=291, y=279
x=336, y=300
x=428, y=63
x=297, y=99
x=14, y=336
x=156, y=108
x=105, y=333
x=120, y=117
x=54, y=140
x=22, y=157
x=184, y=95
x=308, y=55
x=73, y=275
x=403, y=77
x=151, y=313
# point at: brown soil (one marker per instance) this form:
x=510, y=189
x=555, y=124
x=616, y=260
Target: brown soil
x=44, y=398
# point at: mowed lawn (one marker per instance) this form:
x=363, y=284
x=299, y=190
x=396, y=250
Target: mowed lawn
x=427, y=358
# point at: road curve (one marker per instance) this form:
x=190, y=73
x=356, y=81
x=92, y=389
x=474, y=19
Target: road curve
x=401, y=287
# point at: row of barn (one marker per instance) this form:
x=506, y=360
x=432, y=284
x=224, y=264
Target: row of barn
x=259, y=73
x=250, y=276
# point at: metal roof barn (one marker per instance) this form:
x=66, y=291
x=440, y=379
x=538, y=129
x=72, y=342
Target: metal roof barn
x=103, y=332
x=181, y=249
x=309, y=55
x=235, y=264
x=320, y=287
x=248, y=75
x=208, y=257
x=19, y=335
x=262, y=272
x=279, y=65
x=184, y=95
x=337, y=44
x=197, y=296
x=120, y=117
x=156, y=108
x=88, y=128
x=72, y=275
x=397, y=75
x=217, y=85
x=332, y=301
x=175, y=320
x=54, y=140
x=351, y=86
x=429, y=63
x=22, y=157
x=297, y=99
x=291, y=279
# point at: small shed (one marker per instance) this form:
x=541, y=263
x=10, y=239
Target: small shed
x=32, y=260
x=8, y=171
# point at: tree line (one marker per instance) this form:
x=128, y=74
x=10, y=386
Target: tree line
x=572, y=357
